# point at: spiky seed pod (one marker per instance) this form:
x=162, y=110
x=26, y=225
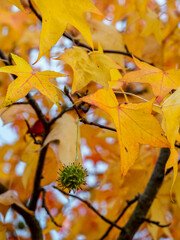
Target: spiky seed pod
x=72, y=177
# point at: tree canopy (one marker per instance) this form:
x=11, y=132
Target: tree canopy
x=90, y=112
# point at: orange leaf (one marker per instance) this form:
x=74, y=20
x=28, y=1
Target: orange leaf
x=162, y=82
x=134, y=124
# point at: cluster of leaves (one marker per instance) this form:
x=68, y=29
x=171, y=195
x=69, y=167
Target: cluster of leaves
x=125, y=95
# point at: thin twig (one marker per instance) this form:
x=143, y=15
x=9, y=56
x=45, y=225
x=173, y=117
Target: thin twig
x=84, y=120
x=156, y=223
x=38, y=142
x=18, y=103
x=46, y=208
x=31, y=221
x=129, y=203
x=91, y=207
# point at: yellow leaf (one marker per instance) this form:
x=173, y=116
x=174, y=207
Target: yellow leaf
x=55, y=17
x=18, y=4
x=94, y=66
x=134, y=124
x=65, y=130
x=153, y=25
x=162, y=82
x=27, y=79
x=171, y=120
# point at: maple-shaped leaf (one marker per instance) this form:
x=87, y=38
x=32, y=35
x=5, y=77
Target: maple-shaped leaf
x=87, y=67
x=134, y=124
x=171, y=118
x=27, y=79
x=162, y=82
x=55, y=17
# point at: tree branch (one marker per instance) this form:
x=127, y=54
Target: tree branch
x=46, y=208
x=156, y=223
x=146, y=199
x=129, y=203
x=84, y=120
x=31, y=221
x=37, y=181
x=91, y=207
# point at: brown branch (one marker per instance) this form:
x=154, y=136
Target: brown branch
x=46, y=208
x=84, y=120
x=146, y=199
x=156, y=223
x=91, y=207
x=129, y=203
x=38, y=142
x=37, y=180
x=31, y=221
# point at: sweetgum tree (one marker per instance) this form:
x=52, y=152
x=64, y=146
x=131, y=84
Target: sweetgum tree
x=90, y=106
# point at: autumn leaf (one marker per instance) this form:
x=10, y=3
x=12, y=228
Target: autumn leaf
x=10, y=114
x=134, y=124
x=87, y=67
x=162, y=82
x=171, y=117
x=55, y=18
x=153, y=25
x=65, y=130
x=27, y=79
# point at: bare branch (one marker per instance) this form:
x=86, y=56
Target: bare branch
x=46, y=208
x=129, y=203
x=31, y=221
x=156, y=223
x=37, y=181
x=146, y=199
x=85, y=121
x=91, y=207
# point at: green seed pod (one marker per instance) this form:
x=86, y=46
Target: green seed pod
x=72, y=177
